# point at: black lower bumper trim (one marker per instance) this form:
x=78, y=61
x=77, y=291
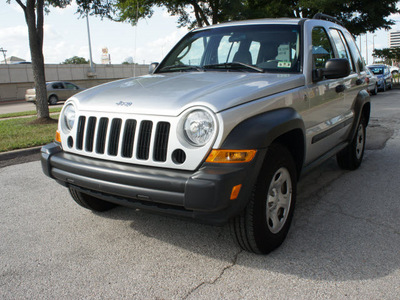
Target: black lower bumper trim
x=203, y=194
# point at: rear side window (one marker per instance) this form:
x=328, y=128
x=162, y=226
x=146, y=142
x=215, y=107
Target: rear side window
x=354, y=51
x=341, y=46
x=321, y=48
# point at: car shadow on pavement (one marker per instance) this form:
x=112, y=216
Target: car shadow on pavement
x=330, y=239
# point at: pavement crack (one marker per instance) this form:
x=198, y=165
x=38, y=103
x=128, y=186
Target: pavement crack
x=340, y=211
x=232, y=264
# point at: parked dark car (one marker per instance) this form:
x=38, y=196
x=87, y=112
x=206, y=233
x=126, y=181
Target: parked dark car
x=56, y=91
x=385, y=80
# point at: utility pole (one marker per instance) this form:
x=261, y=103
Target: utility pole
x=366, y=47
x=4, y=54
x=90, y=46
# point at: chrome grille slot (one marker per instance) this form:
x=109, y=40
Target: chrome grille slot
x=161, y=141
x=128, y=138
x=114, y=137
x=80, y=132
x=91, y=127
x=143, y=147
x=101, y=135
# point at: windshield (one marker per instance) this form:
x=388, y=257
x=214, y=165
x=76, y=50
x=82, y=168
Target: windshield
x=251, y=48
x=377, y=70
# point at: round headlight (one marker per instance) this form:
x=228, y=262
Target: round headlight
x=199, y=127
x=69, y=116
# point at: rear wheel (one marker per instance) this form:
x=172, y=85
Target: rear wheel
x=375, y=90
x=90, y=202
x=350, y=158
x=53, y=100
x=265, y=222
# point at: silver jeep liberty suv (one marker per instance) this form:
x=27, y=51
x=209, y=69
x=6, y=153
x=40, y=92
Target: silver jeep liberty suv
x=221, y=129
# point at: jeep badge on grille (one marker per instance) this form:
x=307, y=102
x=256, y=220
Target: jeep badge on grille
x=123, y=103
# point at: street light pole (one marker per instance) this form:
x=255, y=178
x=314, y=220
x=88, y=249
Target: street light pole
x=373, y=48
x=366, y=47
x=90, y=46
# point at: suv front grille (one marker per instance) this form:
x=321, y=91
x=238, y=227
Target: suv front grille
x=126, y=138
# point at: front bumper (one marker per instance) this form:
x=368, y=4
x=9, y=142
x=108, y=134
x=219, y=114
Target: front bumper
x=203, y=194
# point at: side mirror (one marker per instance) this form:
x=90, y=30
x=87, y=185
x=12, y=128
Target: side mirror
x=152, y=67
x=334, y=68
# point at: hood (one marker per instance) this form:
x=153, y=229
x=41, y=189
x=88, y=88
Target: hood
x=171, y=93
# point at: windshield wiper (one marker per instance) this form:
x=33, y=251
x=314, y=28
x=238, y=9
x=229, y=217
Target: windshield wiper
x=175, y=68
x=233, y=65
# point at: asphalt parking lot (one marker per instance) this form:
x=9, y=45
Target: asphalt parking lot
x=344, y=242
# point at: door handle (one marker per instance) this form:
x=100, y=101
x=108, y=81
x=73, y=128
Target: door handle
x=340, y=88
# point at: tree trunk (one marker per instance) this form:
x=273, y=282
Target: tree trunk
x=35, y=32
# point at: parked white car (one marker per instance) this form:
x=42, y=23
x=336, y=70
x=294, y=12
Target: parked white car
x=56, y=91
x=394, y=70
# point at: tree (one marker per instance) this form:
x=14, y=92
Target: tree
x=75, y=60
x=34, y=17
x=358, y=16
x=387, y=54
x=128, y=61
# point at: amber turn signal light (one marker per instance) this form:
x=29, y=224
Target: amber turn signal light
x=231, y=156
x=58, y=136
x=235, y=191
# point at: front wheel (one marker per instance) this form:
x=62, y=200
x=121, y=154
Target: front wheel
x=265, y=222
x=350, y=158
x=90, y=202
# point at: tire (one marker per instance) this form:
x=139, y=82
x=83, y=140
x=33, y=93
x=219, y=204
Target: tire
x=350, y=158
x=384, y=86
x=53, y=100
x=391, y=84
x=264, y=224
x=90, y=202
x=375, y=90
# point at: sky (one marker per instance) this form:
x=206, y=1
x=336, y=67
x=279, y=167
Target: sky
x=65, y=36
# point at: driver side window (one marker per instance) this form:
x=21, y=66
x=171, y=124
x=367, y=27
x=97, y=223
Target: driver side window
x=321, y=48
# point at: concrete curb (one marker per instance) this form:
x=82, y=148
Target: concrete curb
x=19, y=153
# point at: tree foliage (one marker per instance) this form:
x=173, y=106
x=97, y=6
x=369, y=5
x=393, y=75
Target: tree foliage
x=358, y=16
x=75, y=60
x=387, y=54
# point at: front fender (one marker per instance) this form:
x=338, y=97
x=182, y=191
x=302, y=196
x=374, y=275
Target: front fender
x=261, y=130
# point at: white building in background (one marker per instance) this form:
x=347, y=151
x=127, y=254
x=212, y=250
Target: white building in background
x=394, y=39
x=12, y=60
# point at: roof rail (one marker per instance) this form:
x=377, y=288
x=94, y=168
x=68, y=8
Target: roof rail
x=321, y=16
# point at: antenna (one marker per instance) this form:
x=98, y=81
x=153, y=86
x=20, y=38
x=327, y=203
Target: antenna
x=134, y=51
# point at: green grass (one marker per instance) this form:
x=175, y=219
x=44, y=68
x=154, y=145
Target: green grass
x=27, y=113
x=19, y=134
